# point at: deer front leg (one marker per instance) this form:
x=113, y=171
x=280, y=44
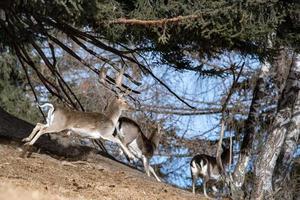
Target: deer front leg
x=119, y=142
x=126, y=150
x=37, y=128
x=123, y=147
x=193, y=183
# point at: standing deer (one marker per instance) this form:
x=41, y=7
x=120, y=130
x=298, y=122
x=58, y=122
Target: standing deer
x=90, y=125
x=206, y=167
x=140, y=146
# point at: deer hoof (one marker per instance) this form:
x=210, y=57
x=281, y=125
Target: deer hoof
x=26, y=139
x=27, y=144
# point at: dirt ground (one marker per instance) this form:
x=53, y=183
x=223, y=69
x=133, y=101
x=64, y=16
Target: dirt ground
x=43, y=177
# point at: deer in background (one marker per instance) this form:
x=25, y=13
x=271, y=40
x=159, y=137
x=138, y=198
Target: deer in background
x=206, y=167
x=140, y=146
x=90, y=125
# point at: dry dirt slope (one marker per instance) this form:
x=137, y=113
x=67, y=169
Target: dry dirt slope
x=43, y=177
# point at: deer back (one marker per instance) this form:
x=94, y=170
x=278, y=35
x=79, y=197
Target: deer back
x=132, y=131
x=70, y=119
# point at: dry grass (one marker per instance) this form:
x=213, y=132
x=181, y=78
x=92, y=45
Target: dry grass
x=44, y=177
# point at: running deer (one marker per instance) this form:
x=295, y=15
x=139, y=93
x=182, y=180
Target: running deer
x=140, y=146
x=206, y=167
x=90, y=125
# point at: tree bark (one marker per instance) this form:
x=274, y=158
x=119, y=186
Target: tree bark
x=279, y=74
x=267, y=158
x=250, y=125
x=285, y=159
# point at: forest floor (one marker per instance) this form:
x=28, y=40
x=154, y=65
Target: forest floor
x=42, y=177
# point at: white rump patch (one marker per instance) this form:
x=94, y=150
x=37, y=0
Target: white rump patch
x=194, y=168
x=204, y=168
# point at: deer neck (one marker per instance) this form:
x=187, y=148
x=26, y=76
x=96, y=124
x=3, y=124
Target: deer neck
x=114, y=113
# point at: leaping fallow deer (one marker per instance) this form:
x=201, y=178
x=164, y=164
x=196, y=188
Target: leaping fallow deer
x=140, y=146
x=90, y=125
x=206, y=167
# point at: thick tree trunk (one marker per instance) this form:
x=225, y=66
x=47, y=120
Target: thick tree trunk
x=260, y=95
x=267, y=158
x=250, y=125
x=285, y=159
x=12, y=127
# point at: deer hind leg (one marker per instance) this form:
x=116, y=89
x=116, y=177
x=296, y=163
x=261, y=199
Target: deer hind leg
x=146, y=165
x=204, y=188
x=36, y=129
x=44, y=130
x=193, y=183
x=154, y=174
x=32, y=138
x=149, y=169
x=194, y=174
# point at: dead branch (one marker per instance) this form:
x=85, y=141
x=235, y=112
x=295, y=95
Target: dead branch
x=82, y=45
x=185, y=112
x=31, y=86
x=157, y=22
x=69, y=30
x=231, y=90
x=61, y=82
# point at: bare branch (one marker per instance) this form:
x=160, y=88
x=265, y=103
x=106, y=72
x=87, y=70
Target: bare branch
x=31, y=86
x=61, y=81
x=77, y=57
x=69, y=30
x=235, y=80
x=82, y=45
x=185, y=112
x=158, y=22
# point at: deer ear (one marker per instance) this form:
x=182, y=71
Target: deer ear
x=119, y=78
x=102, y=75
x=158, y=128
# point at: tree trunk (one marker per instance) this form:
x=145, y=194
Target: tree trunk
x=285, y=159
x=12, y=127
x=279, y=72
x=250, y=125
x=266, y=160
